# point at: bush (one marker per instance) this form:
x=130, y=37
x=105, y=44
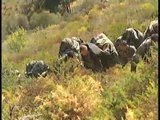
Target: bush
x=10, y=100
x=75, y=101
x=74, y=26
x=147, y=10
x=16, y=41
x=4, y=30
x=76, y=93
x=44, y=19
x=8, y=75
x=115, y=29
x=14, y=22
x=22, y=21
x=95, y=20
x=87, y=6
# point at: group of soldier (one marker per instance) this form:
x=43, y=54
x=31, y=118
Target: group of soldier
x=100, y=53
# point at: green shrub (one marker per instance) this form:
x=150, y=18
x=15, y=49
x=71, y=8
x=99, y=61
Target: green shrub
x=10, y=100
x=95, y=20
x=23, y=21
x=16, y=41
x=77, y=93
x=147, y=10
x=4, y=31
x=87, y=5
x=8, y=77
x=77, y=100
x=116, y=29
x=11, y=24
x=44, y=19
x=74, y=26
x=14, y=22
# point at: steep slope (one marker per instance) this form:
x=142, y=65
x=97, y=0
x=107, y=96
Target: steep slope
x=81, y=94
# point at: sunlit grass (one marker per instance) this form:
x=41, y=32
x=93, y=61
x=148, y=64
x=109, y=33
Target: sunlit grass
x=75, y=92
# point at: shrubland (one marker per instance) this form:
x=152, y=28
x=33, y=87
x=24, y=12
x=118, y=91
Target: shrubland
x=74, y=92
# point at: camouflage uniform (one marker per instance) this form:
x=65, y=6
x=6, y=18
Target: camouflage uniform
x=133, y=37
x=142, y=50
x=118, y=41
x=151, y=29
x=109, y=51
x=125, y=51
x=93, y=59
x=154, y=37
x=36, y=68
x=69, y=48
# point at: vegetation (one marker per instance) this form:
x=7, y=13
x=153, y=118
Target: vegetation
x=74, y=92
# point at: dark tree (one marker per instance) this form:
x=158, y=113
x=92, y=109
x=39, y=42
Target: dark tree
x=52, y=5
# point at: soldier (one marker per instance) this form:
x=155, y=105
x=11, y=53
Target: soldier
x=105, y=44
x=69, y=48
x=133, y=37
x=91, y=57
x=37, y=68
x=142, y=51
x=118, y=41
x=151, y=29
x=125, y=52
x=154, y=37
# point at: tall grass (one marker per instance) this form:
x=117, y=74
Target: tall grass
x=77, y=93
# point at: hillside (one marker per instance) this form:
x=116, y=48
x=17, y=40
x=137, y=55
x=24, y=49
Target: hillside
x=77, y=94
